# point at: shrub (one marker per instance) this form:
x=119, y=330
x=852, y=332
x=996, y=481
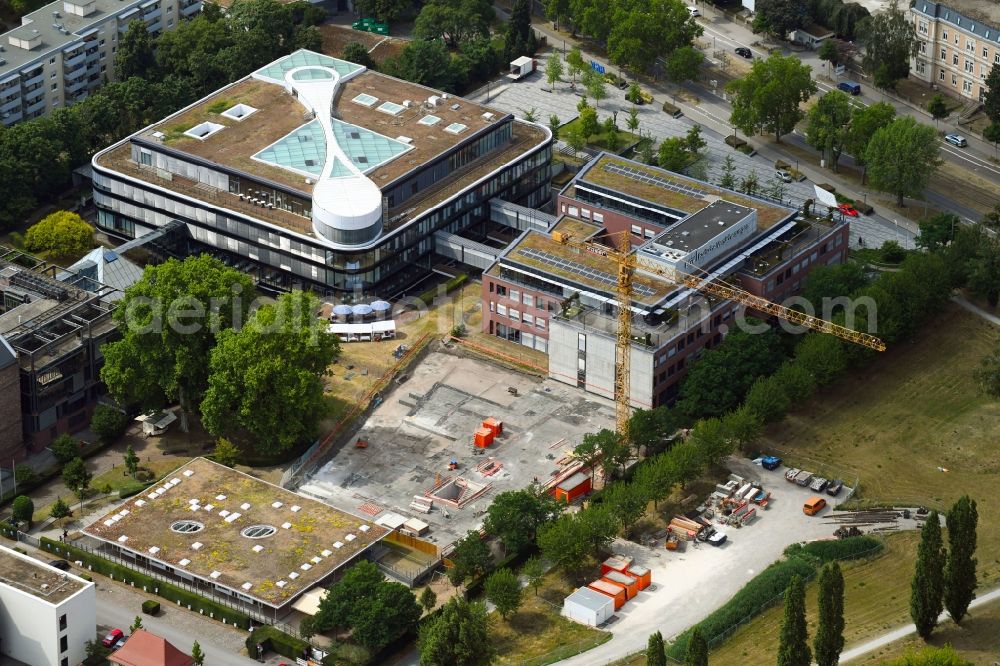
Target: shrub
x=762, y=591
x=133, y=488
x=275, y=640
x=892, y=252
x=168, y=591
x=64, y=448
x=62, y=233
x=7, y=530
x=150, y=607
x=87, y=576
x=108, y=424
x=144, y=474
x=851, y=548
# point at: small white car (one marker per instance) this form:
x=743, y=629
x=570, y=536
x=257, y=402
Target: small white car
x=694, y=11
x=783, y=175
x=956, y=140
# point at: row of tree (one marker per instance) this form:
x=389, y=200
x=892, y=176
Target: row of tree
x=793, y=642
x=190, y=336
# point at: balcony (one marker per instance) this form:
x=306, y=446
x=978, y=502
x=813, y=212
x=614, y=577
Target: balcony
x=154, y=28
x=72, y=75
x=11, y=117
x=75, y=86
x=93, y=56
x=191, y=9
x=38, y=106
x=33, y=96
x=69, y=62
x=35, y=80
x=152, y=15
x=11, y=105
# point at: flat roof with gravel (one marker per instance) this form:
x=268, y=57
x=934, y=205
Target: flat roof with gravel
x=234, y=530
x=38, y=579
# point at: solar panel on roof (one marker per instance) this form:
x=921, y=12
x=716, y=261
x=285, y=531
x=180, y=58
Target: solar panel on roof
x=583, y=271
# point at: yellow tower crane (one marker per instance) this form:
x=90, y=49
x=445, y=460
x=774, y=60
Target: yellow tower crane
x=625, y=258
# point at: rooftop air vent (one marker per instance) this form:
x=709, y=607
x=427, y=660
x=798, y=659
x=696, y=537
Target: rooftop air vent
x=239, y=112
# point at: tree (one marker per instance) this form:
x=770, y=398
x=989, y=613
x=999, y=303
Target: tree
x=937, y=231
x=458, y=636
x=428, y=599
x=558, y=10
x=575, y=64
x=960, y=570
x=554, y=124
x=135, y=56
x=626, y=502
x=267, y=378
x=926, y=598
x=591, y=449
x=553, y=69
x=991, y=101
x=197, y=655
x=742, y=427
x=828, y=125
x=62, y=234
x=359, y=581
x=638, y=32
x=534, y=571
x=515, y=516
x=575, y=138
x=519, y=39
x=64, y=448
x=711, y=440
x=504, y=590
x=780, y=17
x=828, y=51
x=822, y=356
x=95, y=651
x=767, y=99
x=596, y=88
x=379, y=619
x=588, y=121
x=383, y=10
x=77, y=477
x=829, y=639
x=728, y=179
x=131, y=461
x=987, y=375
x=530, y=115
x=890, y=42
x=864, y=123
x=721, y=377
x=108, y=423
x=793, y=646
x=59, y=509
x=656, y=654
x=22, y=509
x=427, y=63
x=825, y=282
x=673, y=154
x=683, y=64
x=136, y=624
x=356, y=52
x=992, y=134
x=471, y=558
x=937, y=107
x=632, y=122
x=697, y=649
x=454, y=21
x=902, y=157
x=169, y=321
x=693, y=141
x=566, y=541
x=25, y=475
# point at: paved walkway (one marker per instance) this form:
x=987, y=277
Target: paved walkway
x=907, y=630
x=975, y=309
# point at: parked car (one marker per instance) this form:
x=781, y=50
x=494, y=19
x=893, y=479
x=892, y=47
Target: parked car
x=119, y=643
x=848, y=210
x=834, y=488
x=744, y=52
x=693, y=11
x=813, y=506
x=956, y=140
x=783, y=175
x=770, y=462
x=717, y=538
x=59, y=564
x=790, y=474
x=818, y=484
x=850, y=87
x=112, y=637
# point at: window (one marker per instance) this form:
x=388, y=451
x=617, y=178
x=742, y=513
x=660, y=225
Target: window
x=62, y=622
x=515, y=295
x=598, y=217
x=954, y=58
x=493, y=306
x=585, y=213
x=55, y=86
x=996, y=58
x=501, y=309
x=64, y=643
x=529, y=300
x=970, y=46
x=923, y=48
x=501, y=290
x=944, y=34
x=581, y=342
x=986, y=53
x=920, y=67
x=64, y=662
x=637, y=230
x=515, y=314
x=574, y=211
x=650, y=233
x=944, y=54
x=540, y=323
x=954, y=80
x=941, y=75
x=967, y=86
x=529, y=319
x=922, y=27
x=968, y=65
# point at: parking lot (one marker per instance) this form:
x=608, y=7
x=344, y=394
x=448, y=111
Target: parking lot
x=692, y=583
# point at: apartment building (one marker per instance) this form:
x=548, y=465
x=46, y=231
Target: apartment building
x=46, y=615
x=56, y=328
x=959, y=43
x=314, y=172
x=557, y=298
x=66, y=49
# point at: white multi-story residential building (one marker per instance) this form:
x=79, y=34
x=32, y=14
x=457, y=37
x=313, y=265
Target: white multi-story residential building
x=46, y=615
x=959, y=43
x=66, y=49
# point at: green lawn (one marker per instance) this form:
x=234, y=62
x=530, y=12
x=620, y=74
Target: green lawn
x=896, y=424
x=599, y=140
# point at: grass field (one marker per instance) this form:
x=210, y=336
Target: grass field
x=976, y=640
x=896, y=424
x=537, y=634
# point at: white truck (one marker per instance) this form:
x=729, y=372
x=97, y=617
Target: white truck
x=521, y=67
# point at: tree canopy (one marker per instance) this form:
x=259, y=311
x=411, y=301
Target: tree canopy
x=643, y=30
x=926, y=599
x=504, y=591
x=454, y=21
x=169, y=321
x=779, y=17
x=890, y=42
x=960, y=570
x=516, y=515
x=828, y=125
x=768, y=98
x=458, y=636
x=865, y=121
x=793, y=646
x=62, y=234
x=901, y=157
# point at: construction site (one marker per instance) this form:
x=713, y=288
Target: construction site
x=455, y=432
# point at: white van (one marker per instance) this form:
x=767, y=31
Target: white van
x=694, y=11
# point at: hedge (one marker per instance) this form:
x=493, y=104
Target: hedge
x=851, y=548
x=278, y=641
x=762, y=591
x=168, y=591
x=133, y=488
x=451, y=285
x=150, y=607
x=8, y=530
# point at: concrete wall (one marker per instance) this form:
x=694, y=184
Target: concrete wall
x=10, y=414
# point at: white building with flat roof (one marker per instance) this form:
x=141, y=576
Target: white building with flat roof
x=46, y=615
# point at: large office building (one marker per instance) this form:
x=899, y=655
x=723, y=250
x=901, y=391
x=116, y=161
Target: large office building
x=47, y=616
x=317, y=173
x=66, y=49
x=55, y=328
x=548, y=293
x=958, y=45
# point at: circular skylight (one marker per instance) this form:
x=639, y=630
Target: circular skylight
x=258, y=531
x=187, y=526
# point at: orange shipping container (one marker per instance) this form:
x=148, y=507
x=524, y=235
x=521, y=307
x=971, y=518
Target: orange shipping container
x=575, y=486
x=616, y=592
x=616, y=563
x=642, y=575
x=495, y=425
x=630, y=584
x=484, y=437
